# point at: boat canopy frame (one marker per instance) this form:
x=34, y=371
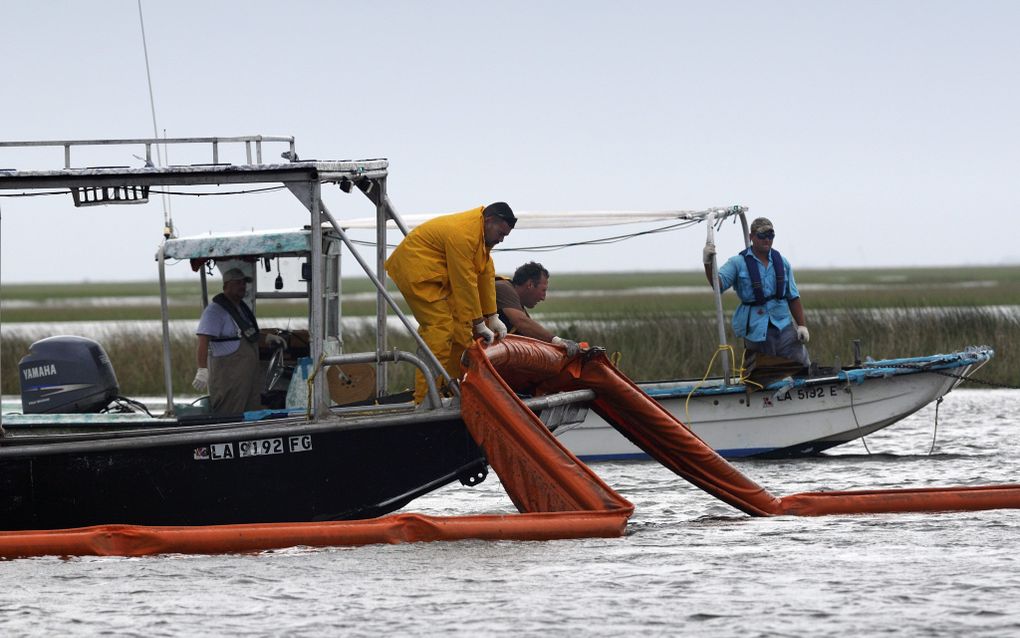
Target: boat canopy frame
x=303, y=178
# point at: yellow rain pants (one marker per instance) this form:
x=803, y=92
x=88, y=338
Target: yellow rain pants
x=445, y=272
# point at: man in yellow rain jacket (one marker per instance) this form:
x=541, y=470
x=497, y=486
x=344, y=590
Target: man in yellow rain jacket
x=444, y=270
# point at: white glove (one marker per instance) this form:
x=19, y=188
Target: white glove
x=803, y=335
x=708, y=253
x=482, y=330
x=276, y=341
x=572, y=346
x=201, y=382
x=496, y=325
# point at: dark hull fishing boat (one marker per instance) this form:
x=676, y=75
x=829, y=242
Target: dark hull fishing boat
x=278, y=470
x=331, y=444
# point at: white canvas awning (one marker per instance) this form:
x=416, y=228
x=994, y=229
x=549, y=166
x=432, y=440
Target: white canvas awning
x=538, y=219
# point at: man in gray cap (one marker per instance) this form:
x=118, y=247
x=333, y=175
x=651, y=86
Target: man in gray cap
x=770, y=318
x=228, y=349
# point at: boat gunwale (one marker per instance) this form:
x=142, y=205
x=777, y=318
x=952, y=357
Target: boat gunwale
x=868, y=370
x=28, y=444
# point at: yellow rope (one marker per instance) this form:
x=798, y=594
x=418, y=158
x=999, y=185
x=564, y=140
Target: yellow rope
x=739, y=372
x=742, y=371
x=309, y=382
x=708, y=371
x=615, y=359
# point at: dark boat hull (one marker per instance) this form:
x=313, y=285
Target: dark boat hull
x=243, y=474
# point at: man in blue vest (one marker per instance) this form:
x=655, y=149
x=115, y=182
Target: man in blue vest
x=770, y=318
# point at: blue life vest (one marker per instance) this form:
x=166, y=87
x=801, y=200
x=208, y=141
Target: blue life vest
x=756, y=286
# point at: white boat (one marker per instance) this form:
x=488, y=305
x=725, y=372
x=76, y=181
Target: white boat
x=796, y=416
x=800, y=415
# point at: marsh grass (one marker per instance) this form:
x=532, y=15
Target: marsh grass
x=650, y=347
x=137, y=360
x=894, y=312
x=603, y=295
x=682, y=346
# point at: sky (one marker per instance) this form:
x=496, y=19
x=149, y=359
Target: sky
x=872, y=133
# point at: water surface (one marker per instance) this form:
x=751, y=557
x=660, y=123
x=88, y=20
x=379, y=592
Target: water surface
x=688, y=564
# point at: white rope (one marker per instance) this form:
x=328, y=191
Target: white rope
x=538, y=219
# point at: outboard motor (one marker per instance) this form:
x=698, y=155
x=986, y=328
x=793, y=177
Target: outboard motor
x=66, y=375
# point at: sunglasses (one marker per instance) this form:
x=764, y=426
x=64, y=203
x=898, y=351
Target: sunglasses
x=769, y=235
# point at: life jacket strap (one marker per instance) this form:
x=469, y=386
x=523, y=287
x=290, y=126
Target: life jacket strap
x=242, y=316
x=756, y=285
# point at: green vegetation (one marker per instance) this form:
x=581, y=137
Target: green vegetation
x=657, y=333
x=658, y=347
x=87, y=290
x=627, y=295
x=138, y=361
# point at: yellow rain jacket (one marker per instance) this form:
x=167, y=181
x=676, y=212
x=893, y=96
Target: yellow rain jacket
x=447, y=257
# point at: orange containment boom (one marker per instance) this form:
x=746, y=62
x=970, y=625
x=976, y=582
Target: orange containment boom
x=649, y=426
x=559, y=496
x=144, y=540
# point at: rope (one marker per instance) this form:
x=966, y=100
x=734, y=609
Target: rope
x=604, y=240
x=938, y=402
x=551, y=247
x=994, y=384
x=27, y=194
x=934, y=431
x=247, y=191
x=742, y=373
x=309, y=382
x=857, y=421
x=124, y=404
x=708, y=371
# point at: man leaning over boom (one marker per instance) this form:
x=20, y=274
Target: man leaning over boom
x=445, y=273
x=516, y=296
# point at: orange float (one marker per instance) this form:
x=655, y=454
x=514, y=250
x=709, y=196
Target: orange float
x=663, y=437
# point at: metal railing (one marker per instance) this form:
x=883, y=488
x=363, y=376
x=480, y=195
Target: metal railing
x=249, y=142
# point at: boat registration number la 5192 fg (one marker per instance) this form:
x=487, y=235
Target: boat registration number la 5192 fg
x=256, y=447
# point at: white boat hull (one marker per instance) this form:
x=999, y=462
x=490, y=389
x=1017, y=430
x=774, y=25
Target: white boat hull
x=805, y=419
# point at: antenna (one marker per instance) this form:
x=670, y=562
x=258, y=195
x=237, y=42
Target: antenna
x=168, y=223
x=1, y=323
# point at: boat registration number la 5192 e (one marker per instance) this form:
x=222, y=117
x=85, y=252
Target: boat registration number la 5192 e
x=815, y=392
x=256, y=447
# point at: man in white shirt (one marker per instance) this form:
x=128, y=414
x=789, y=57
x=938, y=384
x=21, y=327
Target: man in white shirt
x=228, y=349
